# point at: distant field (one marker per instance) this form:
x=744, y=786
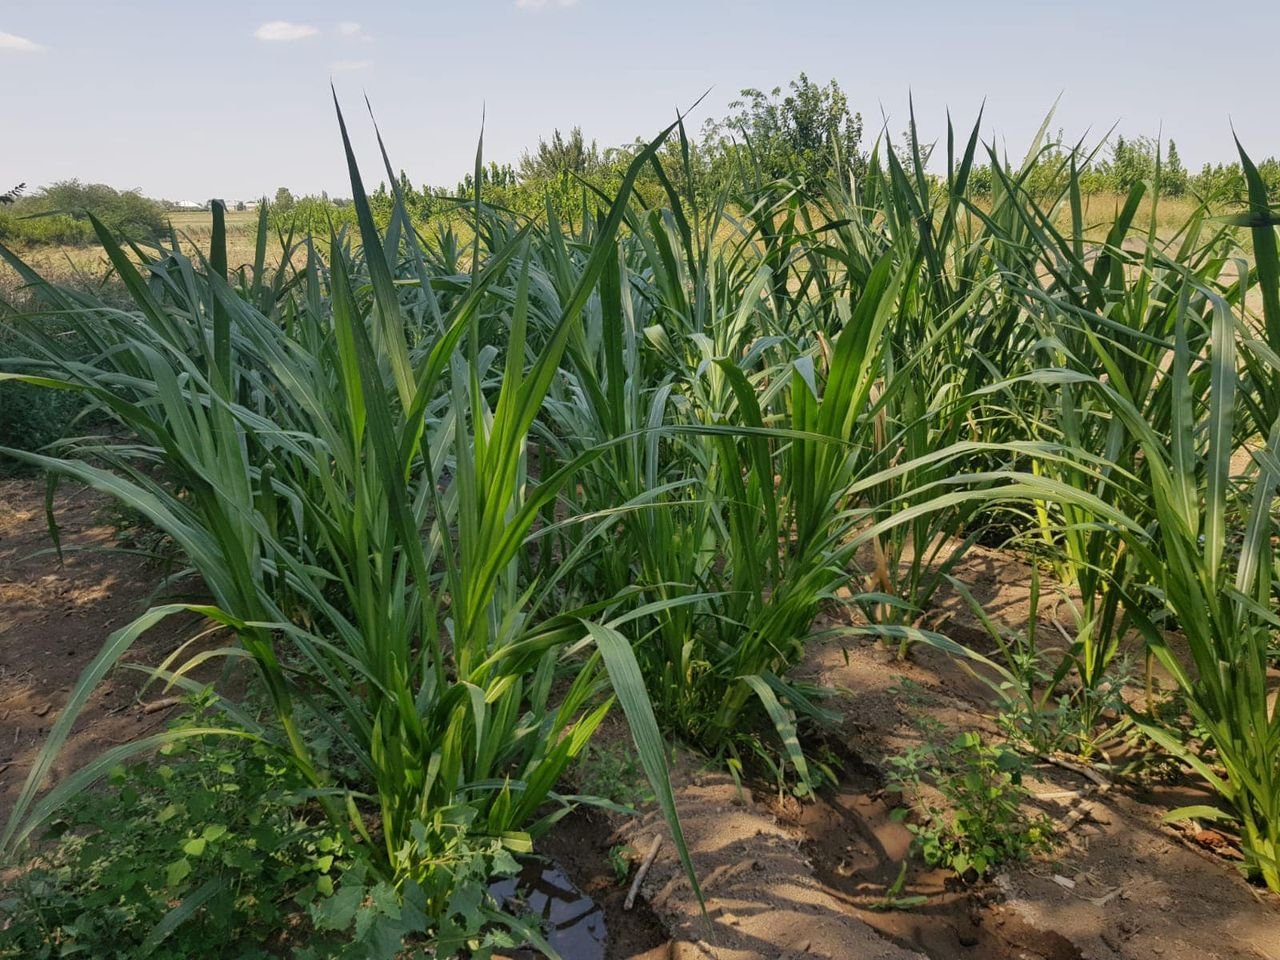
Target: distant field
x=195, y=227
x=89, y=266
x=192, y=220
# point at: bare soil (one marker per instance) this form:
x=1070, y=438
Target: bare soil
x=54, y=617
x=1119, y=883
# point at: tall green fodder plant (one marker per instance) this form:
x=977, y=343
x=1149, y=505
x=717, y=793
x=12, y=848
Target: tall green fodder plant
x=666, y=376
x=352, y=490
x=1224, y=609
x=959, y=326
x=1125, y=292
x=738, y=416
x=796, y=445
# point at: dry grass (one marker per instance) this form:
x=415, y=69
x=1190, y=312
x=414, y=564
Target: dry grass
x=88, y=266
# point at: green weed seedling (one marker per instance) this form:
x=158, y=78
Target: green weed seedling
x=893, y=897
x=612, y=773
x=968, y=795
x=620, y=862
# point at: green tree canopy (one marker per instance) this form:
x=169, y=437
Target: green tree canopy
x=60, y=214
x=561, y=155
x=809, y=133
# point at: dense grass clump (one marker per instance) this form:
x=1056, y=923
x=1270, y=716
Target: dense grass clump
x=453, y=499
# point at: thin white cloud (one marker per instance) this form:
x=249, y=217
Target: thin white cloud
x=16, y=44
x=348, y=66
x=543, y=4
x=353, y=31
x=283, y=30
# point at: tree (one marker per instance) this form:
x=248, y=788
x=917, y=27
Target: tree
x=1131, y=162
x=561, y=156
x=810, y=133
x=284, y=200
x=493, y=176
x=60, y=214
x=1174, y=178
x=1220, y=182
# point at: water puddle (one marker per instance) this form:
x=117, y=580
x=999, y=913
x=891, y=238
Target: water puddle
x=572, y=922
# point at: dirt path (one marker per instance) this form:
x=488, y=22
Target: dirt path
x=53, y=620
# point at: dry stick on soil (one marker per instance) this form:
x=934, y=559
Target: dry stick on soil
x=1062, y=794
x=642, y=873
x=1189, y=833
x=1082, y=807
x=1088, y=773
x=156, y=706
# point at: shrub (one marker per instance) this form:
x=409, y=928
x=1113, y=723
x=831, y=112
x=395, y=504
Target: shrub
x=59, y=214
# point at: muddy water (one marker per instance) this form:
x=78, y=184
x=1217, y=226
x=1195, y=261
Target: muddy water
x=571, y=921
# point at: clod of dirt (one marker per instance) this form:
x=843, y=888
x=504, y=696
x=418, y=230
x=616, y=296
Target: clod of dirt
x=762, y=898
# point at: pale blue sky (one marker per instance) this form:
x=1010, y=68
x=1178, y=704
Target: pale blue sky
x=194, y=99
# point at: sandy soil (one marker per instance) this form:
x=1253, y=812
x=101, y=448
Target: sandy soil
x=1118, y=885
x=54, y=618
x=763, y=898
